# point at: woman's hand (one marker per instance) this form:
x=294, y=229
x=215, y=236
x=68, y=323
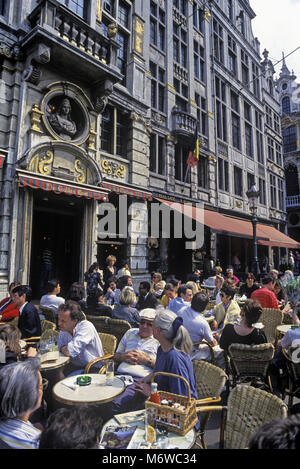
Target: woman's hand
x=31, y=352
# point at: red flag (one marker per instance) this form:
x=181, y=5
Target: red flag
x=193, y=156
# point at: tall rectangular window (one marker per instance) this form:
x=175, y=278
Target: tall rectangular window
x=238, y=181
x=250, y=180
x=157, y=154
x=230, y=9
x=221, y=110
x=273, y=191
x=248, y=140
x=114, y=131
x=123, y=14
x=181, y=154
x=236, y=130
x=262, y=191
x=255, y=80
x=271, y=153
x=280, y=194
x=245, y=68
x=199, y=61
x=259, y=137
x=180, y=48
x=232, y=57
x=278, y=152
x=157, y=87
x=157, y=26
x=2, y=7
x=198, y=17
x=122, y=54
x=218, y=41
x=289, y=139
x=202, y=169
x=223, y=175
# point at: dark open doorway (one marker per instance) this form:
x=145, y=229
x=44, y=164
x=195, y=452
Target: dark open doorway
x=57, y=226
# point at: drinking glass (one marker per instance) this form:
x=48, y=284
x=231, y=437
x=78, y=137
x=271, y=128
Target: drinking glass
x=109, y=364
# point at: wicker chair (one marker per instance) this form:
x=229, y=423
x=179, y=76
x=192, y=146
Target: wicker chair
x=210, y=347
x=292, y=357
x=210, y=382
x=246, y=411
x=271, y=318
x=250, y=363
x=109, y=344
x=48, y=313
x=47, y=325
x=116, y=327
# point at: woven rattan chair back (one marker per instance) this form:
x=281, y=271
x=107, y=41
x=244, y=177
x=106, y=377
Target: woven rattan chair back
x=271, y=318
x=250, y=361
x=48, y=313
x=100, y=322
x=118, y=327
x=109, y=342
x=247, y=410
x=210, y=379
x=45, y=325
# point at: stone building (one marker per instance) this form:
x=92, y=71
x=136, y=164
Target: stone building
x=289, y=91
x=100, y=100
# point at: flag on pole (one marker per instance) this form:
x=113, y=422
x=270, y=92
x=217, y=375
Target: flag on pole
x=193, y=156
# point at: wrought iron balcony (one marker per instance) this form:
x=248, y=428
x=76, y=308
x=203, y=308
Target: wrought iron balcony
x=293, y=201
x=73, y=44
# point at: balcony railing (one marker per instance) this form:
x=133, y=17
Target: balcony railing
x=57, y=25
x=184, y=122
x=293, y=201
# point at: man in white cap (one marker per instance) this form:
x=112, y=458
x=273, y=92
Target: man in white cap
x=137, y=349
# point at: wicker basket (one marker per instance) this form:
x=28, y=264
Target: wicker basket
x=177, y=420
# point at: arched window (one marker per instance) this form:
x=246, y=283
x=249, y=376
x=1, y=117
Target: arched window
x=286, y=105
x=289, y=139
x=292, y=182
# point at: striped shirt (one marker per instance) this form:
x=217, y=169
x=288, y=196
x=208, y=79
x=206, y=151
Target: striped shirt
x=19, y=434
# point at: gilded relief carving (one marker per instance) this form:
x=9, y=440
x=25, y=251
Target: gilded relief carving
x=111, y=168
x=42, y=164
x=80, y=172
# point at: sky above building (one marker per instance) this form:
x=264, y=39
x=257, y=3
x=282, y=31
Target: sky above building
x=277, y=28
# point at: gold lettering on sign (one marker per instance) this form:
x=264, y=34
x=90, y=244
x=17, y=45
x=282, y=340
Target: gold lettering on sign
x=78, y=168
x=138, y=36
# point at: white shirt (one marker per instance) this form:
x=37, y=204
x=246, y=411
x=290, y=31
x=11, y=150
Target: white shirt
x=22, y=307
x=85, y=344
x=196, y=325
x=52, y=301
x=131, y=340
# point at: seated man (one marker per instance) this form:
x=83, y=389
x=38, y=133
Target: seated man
x=137, y=348
x=111, y=291
x=96, y=306
x=226, y=312
x=8, y=309
x=184, y=298
x=265, y=295
x=78, y=338
x=146, y=298
x=29, y=319
x=51, y=300
x=198, y=327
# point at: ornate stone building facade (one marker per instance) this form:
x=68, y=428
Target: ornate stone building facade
x=99, y=104
x=289, y=91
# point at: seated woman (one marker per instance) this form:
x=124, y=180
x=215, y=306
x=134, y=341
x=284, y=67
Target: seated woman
x=249, y=287
x=219, y=281
x=96, y=305
x=11, y=336
x=8, y=309
x=280, y=293
x=230, y=275
x=124, y=310
x=245, y=332
x=21, y=392
x=228, y=311
x=77, y=293
x=173, y=356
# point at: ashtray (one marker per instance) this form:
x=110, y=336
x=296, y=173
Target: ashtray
x=294, y=327
x=83, y=380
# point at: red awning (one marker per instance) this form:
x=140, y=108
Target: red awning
x=133, y=192
x=59, y=186
x=277, y=238
x=266, y=235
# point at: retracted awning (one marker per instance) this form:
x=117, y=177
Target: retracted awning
x=266, y=235
x=119, y=189
x=27, y=179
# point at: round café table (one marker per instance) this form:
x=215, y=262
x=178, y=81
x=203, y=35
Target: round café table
x=51, y=370
x=95, y=393
x=137, y=418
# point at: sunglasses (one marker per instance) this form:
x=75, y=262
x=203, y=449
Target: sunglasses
x=147, y=323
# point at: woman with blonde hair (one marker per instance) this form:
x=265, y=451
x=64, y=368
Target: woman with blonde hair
x=11, y=335
x=110, y=269
x=193, y=286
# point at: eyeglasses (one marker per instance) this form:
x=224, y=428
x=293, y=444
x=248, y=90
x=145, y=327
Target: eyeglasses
x=147, y=323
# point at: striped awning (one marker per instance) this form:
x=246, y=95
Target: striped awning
x=50, y=184
x=3, y=155
x=133, y=192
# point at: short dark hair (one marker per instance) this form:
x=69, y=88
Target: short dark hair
x=278, y=434
x=228, y=291
x=267, y=279
x=199, y=302
x=76, y=292
x=170, y=287
x=123, y=282
x=252, y=310
x=250, y=275
x=145, y=285
x=51, y=284
x=74, y=308
x=183, y=288
x=23, y=290
x=112, y=279
x=76, y=428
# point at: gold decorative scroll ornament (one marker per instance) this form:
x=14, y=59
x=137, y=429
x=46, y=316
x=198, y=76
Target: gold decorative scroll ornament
x=80, y=172
x=42, y=164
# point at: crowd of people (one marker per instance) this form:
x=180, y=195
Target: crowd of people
x=172, y=324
